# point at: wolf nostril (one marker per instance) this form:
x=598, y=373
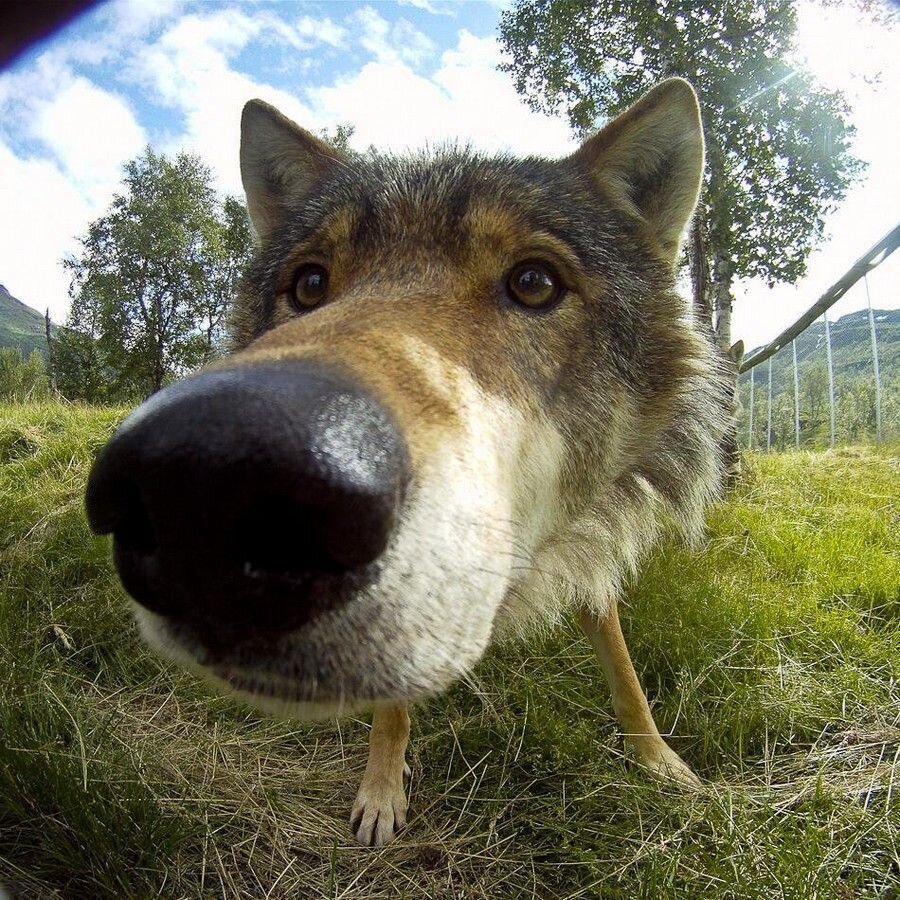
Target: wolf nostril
x=132, y=527
x=357, y=533
x=280, y=538
x=138, y=565
x=115, y=506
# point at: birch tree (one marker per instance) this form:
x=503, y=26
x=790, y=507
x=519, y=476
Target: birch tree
x=152, y=283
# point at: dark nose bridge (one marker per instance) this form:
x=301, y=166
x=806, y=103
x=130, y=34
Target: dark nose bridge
x=250, y=493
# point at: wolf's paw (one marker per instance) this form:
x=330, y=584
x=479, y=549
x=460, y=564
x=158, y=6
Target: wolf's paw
x=379, y=810
x=665, y=764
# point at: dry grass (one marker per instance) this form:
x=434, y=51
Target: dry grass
x=773, y=656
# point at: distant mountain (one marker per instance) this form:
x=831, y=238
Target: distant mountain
x=20, y=325
x=851, y=346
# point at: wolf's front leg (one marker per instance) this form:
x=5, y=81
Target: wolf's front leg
x=379, y=811
x=629, y=701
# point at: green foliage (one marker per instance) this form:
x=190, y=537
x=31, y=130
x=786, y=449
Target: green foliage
x=82, y=373
x=771, y=654
x=152, y=284
x=22, y=379
x=339, y=136
x=778, y=144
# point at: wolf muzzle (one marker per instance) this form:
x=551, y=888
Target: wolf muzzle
x=250, y=498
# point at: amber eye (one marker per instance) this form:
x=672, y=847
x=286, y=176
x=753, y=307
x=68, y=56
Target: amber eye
x=534, y=285
x=309, y=288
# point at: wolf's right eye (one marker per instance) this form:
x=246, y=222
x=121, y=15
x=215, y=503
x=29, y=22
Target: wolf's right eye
x=309, y=287
x=534, y=285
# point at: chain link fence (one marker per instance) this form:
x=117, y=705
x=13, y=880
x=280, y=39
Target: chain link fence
x=827, y=381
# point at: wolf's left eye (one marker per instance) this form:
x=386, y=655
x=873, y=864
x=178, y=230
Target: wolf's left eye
x=309, y=287
x=534, y=285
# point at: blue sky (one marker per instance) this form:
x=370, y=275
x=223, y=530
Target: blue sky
x=175, y=74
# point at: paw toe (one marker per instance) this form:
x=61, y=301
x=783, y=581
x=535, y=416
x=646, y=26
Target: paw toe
x=669, y=766
x=378, y=815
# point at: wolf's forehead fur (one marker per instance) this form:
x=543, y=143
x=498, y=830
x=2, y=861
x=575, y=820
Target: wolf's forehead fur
x=443, y=207
x=425, y=199
x=464, y=215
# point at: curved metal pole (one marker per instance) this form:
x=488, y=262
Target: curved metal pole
x=876, y=255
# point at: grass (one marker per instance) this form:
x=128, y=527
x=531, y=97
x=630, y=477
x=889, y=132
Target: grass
x=773, y=656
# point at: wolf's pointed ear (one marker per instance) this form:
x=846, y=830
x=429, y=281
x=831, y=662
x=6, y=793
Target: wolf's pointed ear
x=280, y=164
x=650, y=158
x=736, y=352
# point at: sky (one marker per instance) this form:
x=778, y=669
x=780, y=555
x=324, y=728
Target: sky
x=175, y=75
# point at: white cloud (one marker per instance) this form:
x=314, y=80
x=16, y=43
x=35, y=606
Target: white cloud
x=81, y=109
x=466, y=100
x=22, y=91
x=387, y=103
x=324, y=30
x=436, y=9
x=390, y=43
x=429, y=7
x=189, y=69
x=89, y=133
x=410, y=44
x=49, y=211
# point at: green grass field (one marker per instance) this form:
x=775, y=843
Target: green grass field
x=773, y=655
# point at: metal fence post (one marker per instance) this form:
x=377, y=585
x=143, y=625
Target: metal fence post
x=830, y=374
x=874, y=257
x=796, y=398
x=874, y=364
x=752, y=380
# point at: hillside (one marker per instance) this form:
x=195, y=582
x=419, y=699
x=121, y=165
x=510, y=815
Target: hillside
x=772, y=655
x=851, y=346
x=20, y=325
x=854, y=385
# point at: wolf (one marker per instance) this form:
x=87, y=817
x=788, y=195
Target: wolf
x=464, y=396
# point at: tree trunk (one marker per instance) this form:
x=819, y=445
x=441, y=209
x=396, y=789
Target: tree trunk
x=723, y=273
x=158, y=371
x=158, y=368
x=702, y=301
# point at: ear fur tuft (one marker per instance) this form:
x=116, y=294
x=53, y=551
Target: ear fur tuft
x=650, y=159
x=280, y=164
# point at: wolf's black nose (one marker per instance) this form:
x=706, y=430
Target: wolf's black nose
x=251, y=496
